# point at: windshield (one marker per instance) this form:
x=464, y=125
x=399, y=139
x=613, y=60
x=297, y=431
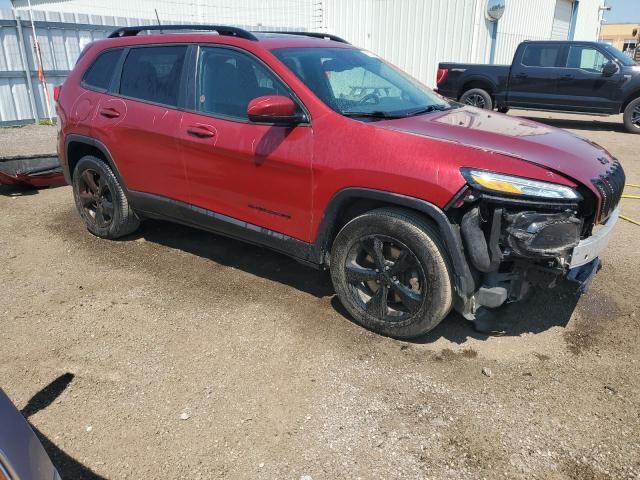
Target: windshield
x=358, y=83
x=618, y=55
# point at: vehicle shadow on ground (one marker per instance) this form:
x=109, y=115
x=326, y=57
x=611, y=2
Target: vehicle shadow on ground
x=66, y=465
x=17, y=191
x=544, y=309
x=256, y=260
x=577, y=124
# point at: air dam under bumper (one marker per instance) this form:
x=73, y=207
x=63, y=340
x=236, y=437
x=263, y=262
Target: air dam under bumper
x=590, y=248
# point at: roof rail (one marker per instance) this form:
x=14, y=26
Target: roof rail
x=325, y=36
x=220, y=29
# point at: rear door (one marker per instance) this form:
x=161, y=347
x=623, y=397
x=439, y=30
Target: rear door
x=139, y=121
x=256, y=173
x=582, y=86
x=534, y=76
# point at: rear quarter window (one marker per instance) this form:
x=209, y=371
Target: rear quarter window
x=99, y=74
x=153, y=74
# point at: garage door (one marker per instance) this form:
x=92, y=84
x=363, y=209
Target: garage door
x=562, y=20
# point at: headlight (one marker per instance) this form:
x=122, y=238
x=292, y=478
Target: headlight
x=497, y=182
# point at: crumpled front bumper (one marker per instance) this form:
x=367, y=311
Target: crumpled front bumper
x=591, y=247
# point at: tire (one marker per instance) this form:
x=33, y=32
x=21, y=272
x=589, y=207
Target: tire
x=477, y=97
x=101, y=201
x=632, y=116
x=503, y=109
x=416, y=298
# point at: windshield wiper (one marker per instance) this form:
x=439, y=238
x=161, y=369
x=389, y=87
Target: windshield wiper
x=375, y=114
x=430, y=108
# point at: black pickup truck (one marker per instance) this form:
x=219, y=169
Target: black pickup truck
x=578, y=77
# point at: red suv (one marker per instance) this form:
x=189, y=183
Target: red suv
x=323, y=151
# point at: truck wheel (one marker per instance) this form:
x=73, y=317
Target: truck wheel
x=101, y=201
x=477, y=97
x=390, y=272
x=632, y=116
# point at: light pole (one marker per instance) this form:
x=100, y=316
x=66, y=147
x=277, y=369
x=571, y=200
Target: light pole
x=495, y=10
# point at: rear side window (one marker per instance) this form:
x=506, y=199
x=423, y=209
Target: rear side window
x=542, y=55
x=101, y=70
x=153, y=74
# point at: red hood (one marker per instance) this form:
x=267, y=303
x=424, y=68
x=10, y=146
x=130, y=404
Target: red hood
x=549, y=147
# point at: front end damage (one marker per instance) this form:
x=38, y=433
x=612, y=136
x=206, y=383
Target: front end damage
x=514, y=244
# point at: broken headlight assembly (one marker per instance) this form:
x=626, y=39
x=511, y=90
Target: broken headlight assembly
x=499, y=183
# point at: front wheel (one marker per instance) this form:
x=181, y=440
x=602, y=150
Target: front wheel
x=390, y=272
x=632, y=116
x=477, y=97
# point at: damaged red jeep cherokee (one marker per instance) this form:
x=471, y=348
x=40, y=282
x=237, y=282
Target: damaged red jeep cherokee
x=312, y=147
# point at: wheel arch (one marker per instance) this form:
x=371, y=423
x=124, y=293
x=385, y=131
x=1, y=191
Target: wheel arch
x=630, y=98
x=351, y=202
x=477, y=82
x=78, y=146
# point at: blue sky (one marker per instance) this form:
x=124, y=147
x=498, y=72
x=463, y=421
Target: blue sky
x=623, y=11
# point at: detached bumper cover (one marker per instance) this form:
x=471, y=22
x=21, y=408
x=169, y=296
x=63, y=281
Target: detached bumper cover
x=590, y=248
x=31, y=171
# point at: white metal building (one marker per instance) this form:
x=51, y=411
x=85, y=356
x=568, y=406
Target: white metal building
x=413, y=34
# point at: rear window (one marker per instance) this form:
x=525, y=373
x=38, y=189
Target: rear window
x=153, y=74
x=542, y=55
x=101, y=70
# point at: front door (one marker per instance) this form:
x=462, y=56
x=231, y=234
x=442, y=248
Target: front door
x=582, y=84
x=256, y=173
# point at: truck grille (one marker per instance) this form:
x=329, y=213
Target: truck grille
x=610, y=186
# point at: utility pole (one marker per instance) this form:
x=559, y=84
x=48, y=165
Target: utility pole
x=41, y=76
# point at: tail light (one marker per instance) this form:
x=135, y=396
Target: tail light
x=442, y=75
x=56, y=92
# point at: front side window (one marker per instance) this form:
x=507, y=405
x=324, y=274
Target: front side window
x=586, y=58
x=228, y=80
x=101, y=70
x=541, y=55
x=153, y=74
x=358, y=83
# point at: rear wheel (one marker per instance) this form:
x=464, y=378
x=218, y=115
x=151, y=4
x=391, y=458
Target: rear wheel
x=390, y=272
x=477, y=97
x=101, y=201
x=632, y=116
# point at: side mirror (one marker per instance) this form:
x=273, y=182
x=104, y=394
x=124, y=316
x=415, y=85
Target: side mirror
x=609, y=69
x=276, y=109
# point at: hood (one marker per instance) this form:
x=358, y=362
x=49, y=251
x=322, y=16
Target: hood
x=548, y=147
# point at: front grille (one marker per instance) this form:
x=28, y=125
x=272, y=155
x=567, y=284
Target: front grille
x=610, y=186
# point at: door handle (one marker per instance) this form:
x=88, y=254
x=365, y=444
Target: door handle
x=522, y=75
x=200, y=131
x=109, y=112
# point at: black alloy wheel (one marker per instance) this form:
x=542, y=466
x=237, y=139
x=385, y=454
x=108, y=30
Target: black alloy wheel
x=385, y=278
x=96, y=198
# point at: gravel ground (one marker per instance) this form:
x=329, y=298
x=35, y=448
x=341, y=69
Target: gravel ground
x=180, y=354
x=27, y=140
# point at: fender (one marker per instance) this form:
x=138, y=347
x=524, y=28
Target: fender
x=92, y=142
x=450, y=233
x=479, y=79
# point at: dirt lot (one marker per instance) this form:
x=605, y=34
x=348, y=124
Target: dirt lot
x=181, y=354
